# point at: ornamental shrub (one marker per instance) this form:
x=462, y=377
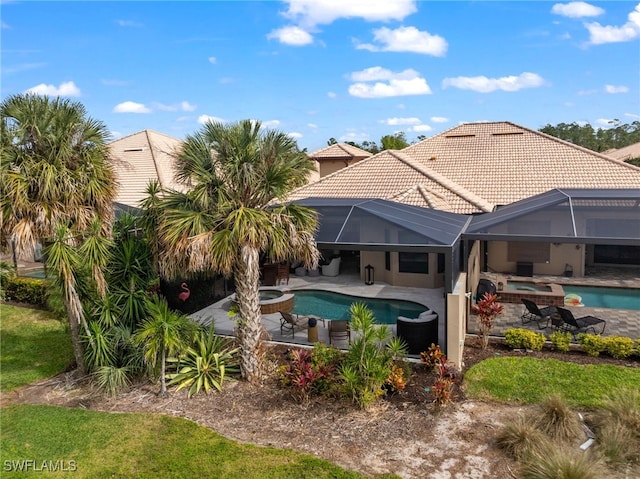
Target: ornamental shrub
x=561, y=340
x=619, y=347
x=25, y=290
x=519, y=338
x=592, y=344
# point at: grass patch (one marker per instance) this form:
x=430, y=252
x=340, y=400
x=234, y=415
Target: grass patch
x=145, y=446
x=33, y=346
x=529, y=380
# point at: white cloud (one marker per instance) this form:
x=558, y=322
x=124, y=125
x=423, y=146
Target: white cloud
x=605, y=122
x=632, y=115
x=295, y=134
x=407, y=82
x=406, y=39
x=616, y=89
x=483, y=84
x=400, y=121
x=270, y=124
x=129, y=23
x=65, y=89
x=182, y=106
x=291, y=35
x=331, y=94
x=131, y=107
x=202, y=119
x=599, y=34
x=587, y=92
x=212, y=60
x=439, y=119
x=420, y=128
x=576, y=10
x=309, y=13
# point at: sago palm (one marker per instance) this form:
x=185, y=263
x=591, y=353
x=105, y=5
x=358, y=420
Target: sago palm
x=56, y=186
x=227, y=219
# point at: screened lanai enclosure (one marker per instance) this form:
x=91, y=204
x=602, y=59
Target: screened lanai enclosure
x=406, y=245
x=562, y=231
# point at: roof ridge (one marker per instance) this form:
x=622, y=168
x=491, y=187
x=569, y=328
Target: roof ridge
x=471, y=197
x=428, y=195
x=146, y=132
x=331, y=175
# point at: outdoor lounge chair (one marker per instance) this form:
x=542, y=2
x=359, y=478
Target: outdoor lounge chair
x=339, y=329
x=533, y=313
x=585, y=324
x=331, y=269
x=290, y=321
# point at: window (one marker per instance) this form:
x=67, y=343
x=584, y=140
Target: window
x=413, y=263
x=387, y=261
x=518, y=251
x=441, y=263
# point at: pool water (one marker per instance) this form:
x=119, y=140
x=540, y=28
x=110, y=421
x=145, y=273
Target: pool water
x=330, y=305
x=598, y=297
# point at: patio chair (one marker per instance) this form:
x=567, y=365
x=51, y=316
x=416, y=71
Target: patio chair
x=339, y=329
x=533, y=313
x=585, y=324
x=290, y=321
x=331, y=269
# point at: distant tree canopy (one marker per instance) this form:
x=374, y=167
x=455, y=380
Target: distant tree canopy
x=602, y=139
x=397, y=141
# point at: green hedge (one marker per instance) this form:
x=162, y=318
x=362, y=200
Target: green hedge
x=25, y=290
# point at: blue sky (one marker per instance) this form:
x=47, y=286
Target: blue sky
x=317, y=69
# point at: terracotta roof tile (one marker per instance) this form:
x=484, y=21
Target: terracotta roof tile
x=140, y=158
x=340, y=150
x=474, y=167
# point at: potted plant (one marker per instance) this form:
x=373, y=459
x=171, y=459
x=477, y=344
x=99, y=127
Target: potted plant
x=487, y=309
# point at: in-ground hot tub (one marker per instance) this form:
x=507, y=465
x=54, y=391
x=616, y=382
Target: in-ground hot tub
x=513, y=291
x=273, y=300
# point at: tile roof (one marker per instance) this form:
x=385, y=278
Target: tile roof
x=474, y=167
x=340, y=150
x=140, y=158
x=625, y=153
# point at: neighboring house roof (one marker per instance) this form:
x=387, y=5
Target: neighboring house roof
x=339, y=151
x=625, y=153
x=475, y=167
x=140, y=158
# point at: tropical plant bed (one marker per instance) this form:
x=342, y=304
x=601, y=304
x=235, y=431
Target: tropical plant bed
x=403, y=434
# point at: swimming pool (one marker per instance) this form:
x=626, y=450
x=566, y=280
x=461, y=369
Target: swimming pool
x=599, y=297
x=330, y=305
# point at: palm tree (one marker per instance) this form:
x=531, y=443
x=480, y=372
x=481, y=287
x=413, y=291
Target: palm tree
x=228, y=218
x=57, y=186
x=161, y=335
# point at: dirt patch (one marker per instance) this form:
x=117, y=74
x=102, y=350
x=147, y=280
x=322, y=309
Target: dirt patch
x=403, y=434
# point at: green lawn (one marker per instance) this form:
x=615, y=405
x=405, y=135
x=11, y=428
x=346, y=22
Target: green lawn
x=33, y=346
x=530, y=380
x=101, y=445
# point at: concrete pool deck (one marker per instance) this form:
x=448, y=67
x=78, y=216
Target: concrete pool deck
x=350, y=284
x=620, y=322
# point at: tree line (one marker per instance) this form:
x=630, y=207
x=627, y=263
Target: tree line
x=617, y=136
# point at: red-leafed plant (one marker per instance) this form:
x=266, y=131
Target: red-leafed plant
x=487, y=309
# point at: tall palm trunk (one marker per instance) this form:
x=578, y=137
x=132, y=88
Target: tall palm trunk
x=71, y=302
x=163, y=375
x=250, y=327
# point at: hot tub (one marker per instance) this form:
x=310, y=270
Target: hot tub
x=273, y=300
